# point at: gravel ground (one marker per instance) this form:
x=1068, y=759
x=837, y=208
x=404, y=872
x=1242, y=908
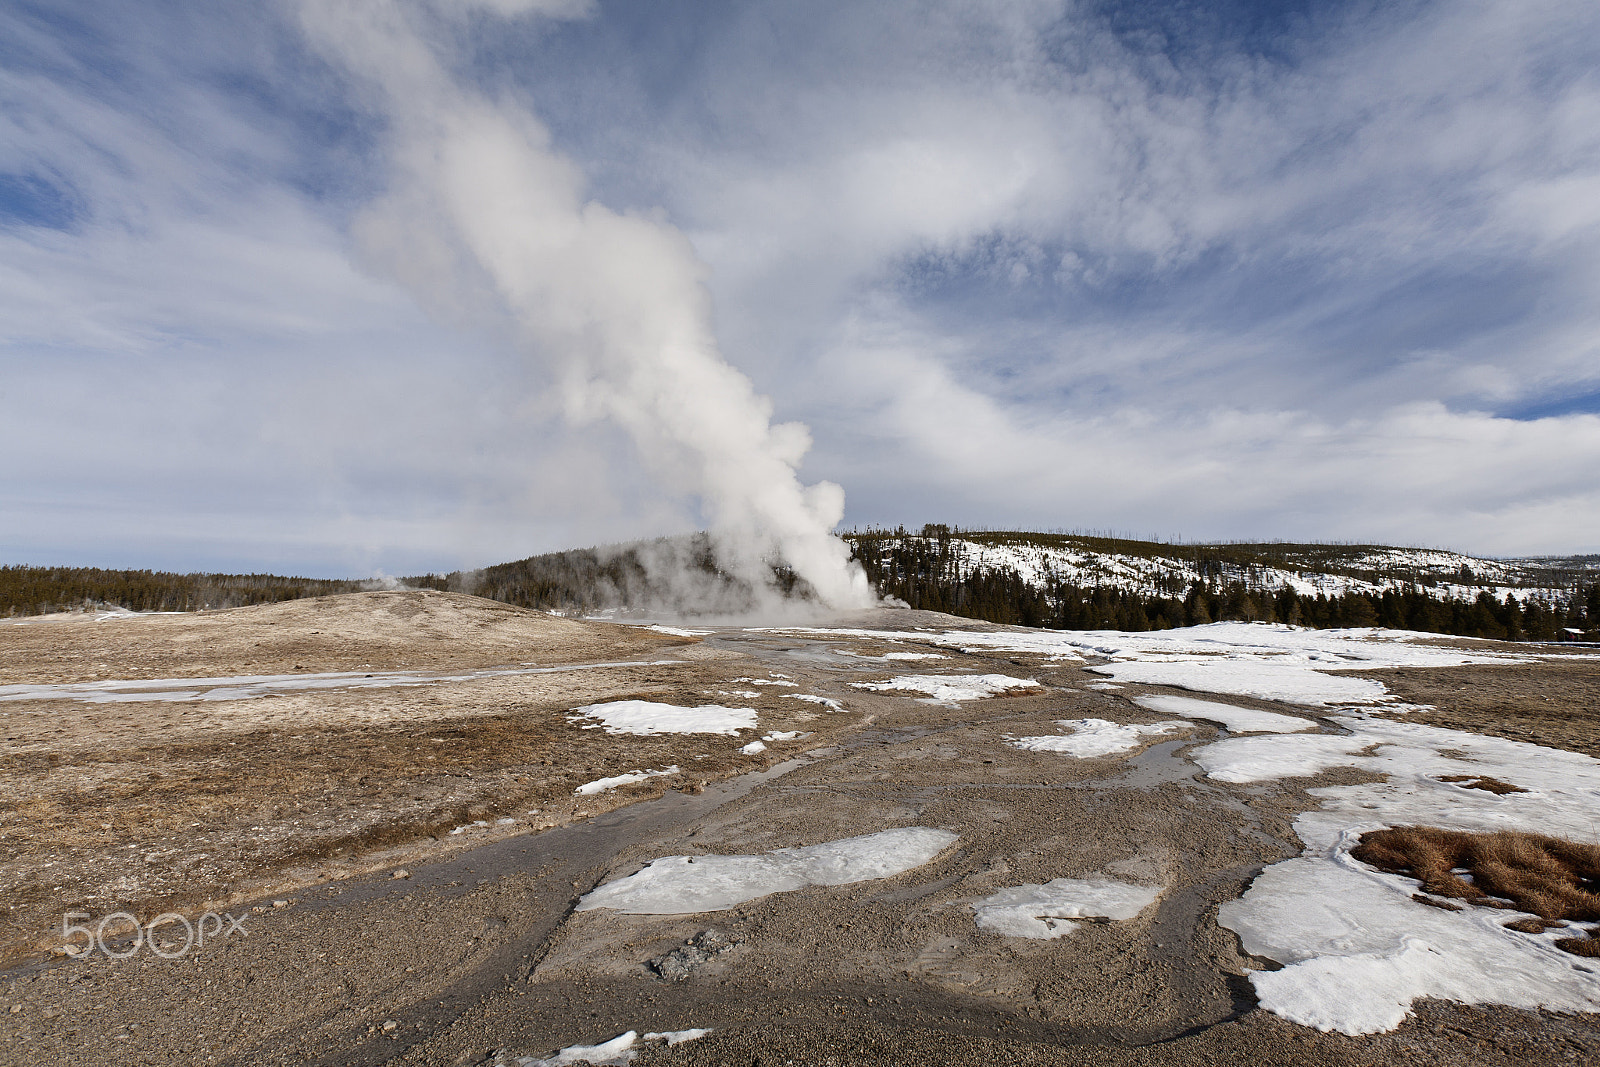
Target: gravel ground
x=454, y=951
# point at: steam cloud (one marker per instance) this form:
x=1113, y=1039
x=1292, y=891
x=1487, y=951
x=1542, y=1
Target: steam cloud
x=482, y=208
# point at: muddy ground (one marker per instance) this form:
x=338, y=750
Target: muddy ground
x=474, y=948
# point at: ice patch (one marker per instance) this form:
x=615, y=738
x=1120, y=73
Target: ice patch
x=1095, y=737
x=781, y=735
x=753, y=748
x=684, y=885
x=251, y=686
x=674, y=631
x=1237, y=720
x=1046, y=911
x=601, y=785
x=951, y=688
x=908, y=655
x=649, y=718
x=618, y=1052
x=1357, y=949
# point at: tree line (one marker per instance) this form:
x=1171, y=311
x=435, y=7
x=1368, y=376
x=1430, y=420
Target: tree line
x=41, y=590
x=927, y=573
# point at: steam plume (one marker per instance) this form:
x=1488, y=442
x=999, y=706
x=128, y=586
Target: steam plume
x=481, y=206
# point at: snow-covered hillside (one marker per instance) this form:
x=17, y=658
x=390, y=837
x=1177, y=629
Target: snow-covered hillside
x=1155, y=569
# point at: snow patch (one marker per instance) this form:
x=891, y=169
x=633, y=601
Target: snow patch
x=951, y=688
x=618, y=1052
x=684, y=885
x=753, y=748
x=674, y=631
x=1095, y=737
x=649, y=718
x=601, y=785
x=1045, y=912
x=827, y=702
x=1357, y=949
x=1238, y=720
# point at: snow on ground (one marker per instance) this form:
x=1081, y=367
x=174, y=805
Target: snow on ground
x=827, y=702
x=648, y=718
x=1095, y=737
x=1357, y=949
x=951, y=688
x=1238, y=720
x=601, y=785
x=674, y=631
x=753, y=748
x=1046, y=911
x=684, y=885
x=782, y=681
x=617, y=1052
x=250, y=686
x=1269, y=661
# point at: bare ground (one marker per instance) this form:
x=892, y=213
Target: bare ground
x=475, y=948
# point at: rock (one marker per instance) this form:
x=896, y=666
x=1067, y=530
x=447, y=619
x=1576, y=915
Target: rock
x=401, y=873
x=678, y=964
x=390, y=1026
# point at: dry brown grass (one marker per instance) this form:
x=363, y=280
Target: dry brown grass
x=1555, y=879
x=1490, y=785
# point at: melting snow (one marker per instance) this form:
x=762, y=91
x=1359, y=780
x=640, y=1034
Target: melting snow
x=617, y=1052
x=601, y=785
x=827, y=702
x=950, y=688
x=649, y=718
x=1269, y=661
x=1095, y=737
x=684, y=885
x=753, y=748
x=1357, y=949
x=1237, y=720
x=677, y=632
x=1045, y=911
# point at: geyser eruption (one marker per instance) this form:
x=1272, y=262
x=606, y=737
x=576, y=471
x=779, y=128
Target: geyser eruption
x=481, y=205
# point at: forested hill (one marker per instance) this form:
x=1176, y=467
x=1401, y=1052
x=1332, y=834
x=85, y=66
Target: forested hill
x=1063, y=581
x=1068, y=581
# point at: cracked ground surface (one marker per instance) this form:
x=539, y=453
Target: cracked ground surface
x=317, y=798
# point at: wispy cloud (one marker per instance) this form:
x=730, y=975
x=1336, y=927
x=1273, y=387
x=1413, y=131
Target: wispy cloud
x=1316, y=274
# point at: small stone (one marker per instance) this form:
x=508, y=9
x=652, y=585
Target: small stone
x=401, y=873
x=15, y=1008
x=390, y=1025
x=280, y=903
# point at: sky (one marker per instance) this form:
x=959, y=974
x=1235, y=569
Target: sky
x=1225, y=271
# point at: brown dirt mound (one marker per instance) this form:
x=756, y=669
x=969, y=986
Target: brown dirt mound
x=1555, y=879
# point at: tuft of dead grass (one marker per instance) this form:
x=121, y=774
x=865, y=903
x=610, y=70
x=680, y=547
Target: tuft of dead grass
x=1487, y=784
x=1582, y=946
x=1556, y=879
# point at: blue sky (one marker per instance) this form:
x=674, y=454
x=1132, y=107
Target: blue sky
x=1253, y=271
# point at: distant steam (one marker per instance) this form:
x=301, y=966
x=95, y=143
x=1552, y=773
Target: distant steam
x=482, y=208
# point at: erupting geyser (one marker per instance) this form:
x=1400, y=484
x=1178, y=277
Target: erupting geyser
x=481, y=205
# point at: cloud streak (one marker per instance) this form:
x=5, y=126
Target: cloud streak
x=1326, y=274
